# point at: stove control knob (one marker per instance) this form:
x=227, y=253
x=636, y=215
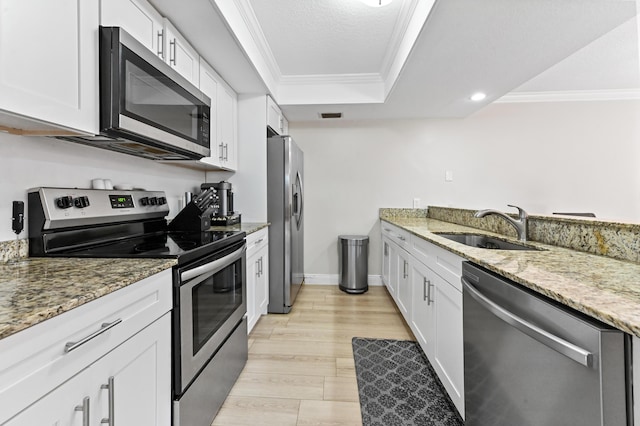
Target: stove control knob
x=153, y=201
x=64, y=202
x=81, y=202
x=144, y=201
x=162, y=200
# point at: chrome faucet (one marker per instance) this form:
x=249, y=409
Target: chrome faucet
x=520, y=224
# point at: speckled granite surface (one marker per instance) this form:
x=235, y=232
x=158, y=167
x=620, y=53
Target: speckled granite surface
x=11, y=250
x=606, y=238
x=249, y=228
x=35, y=289
x=602, y=287
x=397, y=213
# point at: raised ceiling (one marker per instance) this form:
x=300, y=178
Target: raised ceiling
x=413, y=58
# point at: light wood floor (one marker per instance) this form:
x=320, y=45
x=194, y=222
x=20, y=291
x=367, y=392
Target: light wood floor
x=300, y=369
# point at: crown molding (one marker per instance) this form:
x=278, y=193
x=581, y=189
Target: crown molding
x=414, y=17
x=571, y=96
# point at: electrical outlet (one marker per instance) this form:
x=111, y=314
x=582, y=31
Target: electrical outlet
x=448, y=176
x=416, y=203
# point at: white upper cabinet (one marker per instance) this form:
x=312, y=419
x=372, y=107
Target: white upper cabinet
x=275, y=119
x=138, y=18
x=227, y=123
x=224, y=120
x=180, y=55
x=49, y=65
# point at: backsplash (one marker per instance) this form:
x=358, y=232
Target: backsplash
x=611, y=239
x=13, y=249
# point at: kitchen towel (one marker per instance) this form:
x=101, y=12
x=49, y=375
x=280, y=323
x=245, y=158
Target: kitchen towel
x=397, y=385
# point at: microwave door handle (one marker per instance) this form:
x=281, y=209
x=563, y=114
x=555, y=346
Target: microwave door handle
x=212, y=267
x=568, y=349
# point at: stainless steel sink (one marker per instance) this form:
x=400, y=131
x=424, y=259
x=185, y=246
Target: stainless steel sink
x=485, y=241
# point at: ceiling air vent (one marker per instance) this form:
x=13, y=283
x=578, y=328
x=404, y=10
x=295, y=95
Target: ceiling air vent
x=330, y=115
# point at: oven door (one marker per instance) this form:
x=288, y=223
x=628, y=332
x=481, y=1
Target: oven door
x=210, y=301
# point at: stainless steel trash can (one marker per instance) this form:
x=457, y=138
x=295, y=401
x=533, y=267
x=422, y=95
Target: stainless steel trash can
x=354, y=265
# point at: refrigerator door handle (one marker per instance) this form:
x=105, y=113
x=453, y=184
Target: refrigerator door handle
x=300, y=201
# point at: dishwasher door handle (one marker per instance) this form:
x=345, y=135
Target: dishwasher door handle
x=576, y=353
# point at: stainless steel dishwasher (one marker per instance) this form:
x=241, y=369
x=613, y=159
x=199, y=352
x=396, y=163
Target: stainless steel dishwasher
x=530, y=361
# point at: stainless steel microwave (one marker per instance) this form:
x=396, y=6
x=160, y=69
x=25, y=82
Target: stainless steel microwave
x=147, y=109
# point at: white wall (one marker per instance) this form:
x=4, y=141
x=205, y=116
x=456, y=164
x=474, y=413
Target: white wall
x=28, y=162
x=545, y=157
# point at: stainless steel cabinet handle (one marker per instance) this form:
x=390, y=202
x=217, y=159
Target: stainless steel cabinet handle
x=226, y=152
x=429, y=299
x=172, y=46
x=70, y=346
x=576, y=353
x=401, y=238
x=86, y=417
x=112, y=397
x=424, y=289
x=386, y=249
x=258, y=242
x=260, y=260
x=405, y=274
x=257, y=268
x=160, y=42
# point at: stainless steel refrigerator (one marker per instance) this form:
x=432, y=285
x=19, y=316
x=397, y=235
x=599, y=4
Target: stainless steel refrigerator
x=285, y=212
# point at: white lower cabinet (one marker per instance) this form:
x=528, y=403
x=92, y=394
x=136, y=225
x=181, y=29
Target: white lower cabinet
x=448, y=357
x=423, y=319
x=118, y=366
x=403, y=298
x=127, y=384
x=257, y=276
x=424, y=280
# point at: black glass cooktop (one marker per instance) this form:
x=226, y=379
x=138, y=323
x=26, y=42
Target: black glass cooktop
x=183, y=246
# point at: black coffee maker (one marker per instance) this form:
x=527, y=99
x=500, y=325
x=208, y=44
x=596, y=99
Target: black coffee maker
x=225, y=215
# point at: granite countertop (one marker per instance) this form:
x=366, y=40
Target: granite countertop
x=35, y=289
x=248, y=227
x=601, y=287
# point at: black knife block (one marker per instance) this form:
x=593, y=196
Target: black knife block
x=190, y=219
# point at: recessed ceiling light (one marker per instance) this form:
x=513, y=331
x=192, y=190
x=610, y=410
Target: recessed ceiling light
x=376, y=3
x=477, y=97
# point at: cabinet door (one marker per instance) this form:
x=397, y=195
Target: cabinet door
x=262, y=287
x=404, y=285
x=209, y=86
x=273, y=116
x=393, y=270
x=71, y=404
x=448, y=356
x=180, y=55
x=252, y=282
x=227, y=117
x=140, y=372
x=386, y=261
x=422, y=307
x=138, y=18
x=49, y=61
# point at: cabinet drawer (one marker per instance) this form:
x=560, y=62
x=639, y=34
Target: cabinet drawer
x=421, y=249
x=399, y=236
x=256, y=241
x=446, y=264
x=34, y=361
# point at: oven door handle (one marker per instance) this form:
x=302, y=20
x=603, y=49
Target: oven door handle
x=214, y=266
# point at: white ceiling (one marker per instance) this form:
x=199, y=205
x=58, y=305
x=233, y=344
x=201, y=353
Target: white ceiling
x=412, y=58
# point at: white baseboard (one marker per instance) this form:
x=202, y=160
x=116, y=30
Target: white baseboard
x=334, y=279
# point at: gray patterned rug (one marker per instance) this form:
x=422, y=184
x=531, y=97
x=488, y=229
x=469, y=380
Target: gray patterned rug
x=398, y=386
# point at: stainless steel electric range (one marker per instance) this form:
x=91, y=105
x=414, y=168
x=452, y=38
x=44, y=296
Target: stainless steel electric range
x=209, y=288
